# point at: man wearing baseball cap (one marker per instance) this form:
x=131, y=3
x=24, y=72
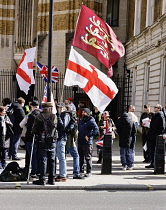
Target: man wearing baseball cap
x=46, y=148
x=87, y=130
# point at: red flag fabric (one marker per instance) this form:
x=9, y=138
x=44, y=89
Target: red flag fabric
x=96, y=37
x=100, y=89
x=24, y=72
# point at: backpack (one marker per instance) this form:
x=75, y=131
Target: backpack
x=72, y=127
x=13, y=173
x=48, y=130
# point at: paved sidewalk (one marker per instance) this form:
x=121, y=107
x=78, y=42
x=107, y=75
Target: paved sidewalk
x=137, y=179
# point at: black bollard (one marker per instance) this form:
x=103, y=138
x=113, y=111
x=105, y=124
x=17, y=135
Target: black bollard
x=107, y=154
x=159, y=161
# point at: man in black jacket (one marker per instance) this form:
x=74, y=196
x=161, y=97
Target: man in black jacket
x=145, y=129
x=29, y=138
x=16, y=118
x=157, y=127
x=46, y=143
x=126, y=129
x=87, y=130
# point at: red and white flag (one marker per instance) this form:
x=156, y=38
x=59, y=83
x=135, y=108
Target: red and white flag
x=24, y=72
x=100, y=88
x=97, y=38
x=44, y=99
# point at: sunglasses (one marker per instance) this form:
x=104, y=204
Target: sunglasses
x=156, y=107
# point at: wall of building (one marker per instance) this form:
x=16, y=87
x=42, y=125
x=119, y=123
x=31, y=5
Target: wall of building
x=7, y=17
x=145, y=58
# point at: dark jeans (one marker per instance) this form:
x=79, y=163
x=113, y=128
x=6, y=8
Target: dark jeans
x=3, y=152
x=47, y=156
x=14, y=143
x=146, y=153
x=35, y=157
x=152, y=151
x=85, y=153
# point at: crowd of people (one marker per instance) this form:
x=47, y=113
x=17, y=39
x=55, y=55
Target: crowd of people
x=49, y=137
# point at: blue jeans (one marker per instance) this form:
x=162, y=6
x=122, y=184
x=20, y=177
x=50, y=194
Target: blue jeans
x=47, y=153
x=35, y=157
x=60, y=146
x=126, y=156
x=74, y=153
x=14, y=143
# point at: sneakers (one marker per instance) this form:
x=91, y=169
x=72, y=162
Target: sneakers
x=124, y=169
x=88, y=175
x=33, y=176
x=150, y=166
x=60, y=179
x=39, y=182
x=130, y=168
x=78, y=177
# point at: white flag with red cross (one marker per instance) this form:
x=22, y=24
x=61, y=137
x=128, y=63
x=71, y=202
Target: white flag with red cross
x=24, y=72
x=100, y=88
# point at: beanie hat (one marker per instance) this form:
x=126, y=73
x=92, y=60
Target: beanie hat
x=47, y=104
x=86, y=110
x=34, y=103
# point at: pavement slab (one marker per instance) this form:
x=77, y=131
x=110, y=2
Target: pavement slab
x=139, y=178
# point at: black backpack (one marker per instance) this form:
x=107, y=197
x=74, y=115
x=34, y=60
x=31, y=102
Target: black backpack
x=49, y=129
x=72, y=127
x=13, y=173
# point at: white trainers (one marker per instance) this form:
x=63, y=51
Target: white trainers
x=124, y=169
x=130, y=168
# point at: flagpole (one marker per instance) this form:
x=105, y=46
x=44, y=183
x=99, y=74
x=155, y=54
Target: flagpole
x=50, y=50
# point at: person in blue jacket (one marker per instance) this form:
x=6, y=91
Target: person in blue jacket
x=87, y=130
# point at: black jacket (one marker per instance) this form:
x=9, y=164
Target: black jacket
x=143, y=116
x=30, y=123
x=157, y=126
x=87, y=127
x=125, y=129
x=17, y=117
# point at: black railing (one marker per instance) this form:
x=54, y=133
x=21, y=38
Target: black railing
x=9, y=88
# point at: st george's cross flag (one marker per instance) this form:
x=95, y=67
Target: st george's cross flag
x=43, y=69
x=24, y=73
x=97, y=38
x=100, y=88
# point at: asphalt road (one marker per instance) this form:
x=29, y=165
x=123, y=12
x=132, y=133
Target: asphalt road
x=82, y=200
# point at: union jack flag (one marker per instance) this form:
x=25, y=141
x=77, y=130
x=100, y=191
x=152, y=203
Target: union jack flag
x=43, y=69
x=44, y=99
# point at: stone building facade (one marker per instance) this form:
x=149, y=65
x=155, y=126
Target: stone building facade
x=25, y=23
x=146, y=52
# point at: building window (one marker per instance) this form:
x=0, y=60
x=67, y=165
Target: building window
x=164, y=7
x=146, y=83
x=137, y=19
x=150, y=12
x=113, y=12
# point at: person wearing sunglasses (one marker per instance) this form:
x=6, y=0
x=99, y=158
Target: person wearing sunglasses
x=157, y=127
